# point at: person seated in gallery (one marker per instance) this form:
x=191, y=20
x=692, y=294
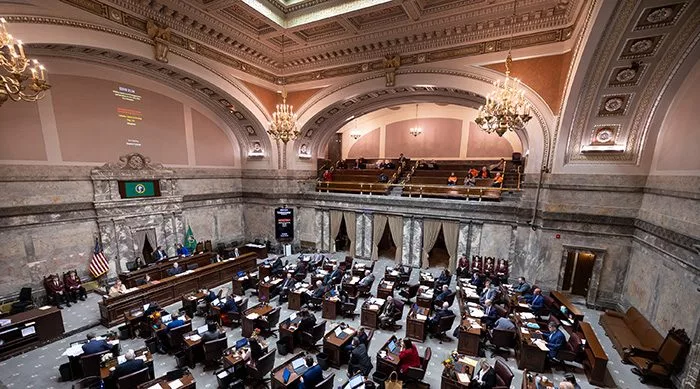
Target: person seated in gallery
x=402, y=158
x=443, y=311
x=421, y=165
x=74, y=287
x=463, y=266
x=474, y=172
x=341, y=164
x=433, y=165
x=379, y=164
x=182, y=251
x=452, y=179
x=500, y=165
x=469, y=180
x=176, y=269
x=497, y=181
x=327, y=175
x=554, y=337
x=388, y=164
x=130, y=365
x=358, y=164
x=117, y=289
x=484, y=173
x=56, y=291
x=94, y=345
x=383, y=178
x=160, y=254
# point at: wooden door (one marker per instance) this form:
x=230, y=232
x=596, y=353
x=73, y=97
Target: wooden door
x=582, y=275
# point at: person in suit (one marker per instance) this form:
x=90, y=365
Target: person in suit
x=94, y=346
x=536, y=301
x=367, y=280
x=408, y=357
x=307, y=322
x=176, y=322
x=131, y=365
x=277, y=267
x=301, y=270
x=333, y=277
x=182, y=251
x=388, y=315
x=285, y=287
x=160, y=254
x=485, y=378
x=362, y=336
x=439, y=314
x=56, y=288
x=359, y=359
x=176, y=269
x=444, y=279
x=442, y=297
x=312, y=376
x=320, y=290
x=504, y=323
x=476, y=280
x=555, y=339
x=462, y=266
x=74, y=287
x=230, y=306
x=212, y=333
x=488, y=293
x=490, y=314
x=523, y=287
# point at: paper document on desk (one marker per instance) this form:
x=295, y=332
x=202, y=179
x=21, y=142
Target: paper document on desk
x=374, y=307
x=175, y=384
x=349, y=331
x=476, y=325
x=45, y=307
x=524, y=330
x=473, y=312
x=355, y=280
x=421, y=317
x=566, y=323
x=6, y=322
x=142, y=357
x=253, y=316
x=222, y=375
x=74, y=350
x=472, y=305
x=523, y=305
x=527, y=315
x=156, y=386
x=541, y=344
x=463, y=378
x=468, y=361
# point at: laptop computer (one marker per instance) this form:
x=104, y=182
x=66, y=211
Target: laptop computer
x=392, y=346
x=240, y=273
x=285, y=375
x=340, y=334
x=215, y=302
x=202, y=329
x=356, y=381
x=166, y=319
x=240, y=343
x=298, y=363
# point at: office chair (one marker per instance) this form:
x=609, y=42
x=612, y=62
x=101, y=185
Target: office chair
x=444, y=324
x=308, y=340
x=262, y=368
x=213, y=351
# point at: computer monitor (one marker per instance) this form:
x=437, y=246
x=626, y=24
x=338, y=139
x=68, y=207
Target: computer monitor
x=356, y=381
x=338, y=331
x=298, y=363
x=202, y=329
x=392, y=346
x=166, y=318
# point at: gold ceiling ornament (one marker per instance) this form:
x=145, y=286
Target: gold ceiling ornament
x=283, y=126
x=16, y=84
x=416, y=129
x=506, y=108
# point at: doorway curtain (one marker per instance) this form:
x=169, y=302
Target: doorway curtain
x=336, y=219
x=431, y=230
x=450, y=230
x=377, y=232
x=396, y=229
x=350, y=226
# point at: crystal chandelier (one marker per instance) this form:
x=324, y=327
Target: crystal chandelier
x=15, y=82
x=416, y=129
x=283, y=126
x=506, y=108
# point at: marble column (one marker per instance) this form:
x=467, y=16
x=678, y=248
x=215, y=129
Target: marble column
x=328, y=242
x=417, y=251
x=318, y=229
x=359, y=239
x=406, y=248
x=463, y=243
x=364, y=225
x=474, y=239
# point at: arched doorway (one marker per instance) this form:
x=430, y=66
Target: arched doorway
x=386, y=248
x=342, y=240
x=438, y=256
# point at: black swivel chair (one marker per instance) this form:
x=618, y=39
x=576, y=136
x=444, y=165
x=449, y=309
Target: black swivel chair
x=309, y=339
x=327, y=382
x=213, y=350
x=444, y=324
x=90, y=364
x=262, y=368
x=416, y=374
x=134, y=379
x=273, y=319
x=410, y=292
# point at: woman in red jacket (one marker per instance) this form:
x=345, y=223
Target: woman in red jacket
x=408, y=357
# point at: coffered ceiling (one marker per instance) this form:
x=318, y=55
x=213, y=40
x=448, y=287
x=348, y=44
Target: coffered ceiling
x=328, y=38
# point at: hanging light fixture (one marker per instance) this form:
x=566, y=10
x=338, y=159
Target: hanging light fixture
x=506, y=108
x=416, y=129
x=283, y=126
x=15, y=82
x=355, y=134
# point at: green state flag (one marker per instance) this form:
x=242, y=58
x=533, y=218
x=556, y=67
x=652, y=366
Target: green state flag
x=139, y=189
x=190, y=242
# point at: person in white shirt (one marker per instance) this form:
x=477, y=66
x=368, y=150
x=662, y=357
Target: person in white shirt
x=485, y=378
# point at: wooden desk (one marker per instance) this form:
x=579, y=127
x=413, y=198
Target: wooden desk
x=106, y=370
x=385, y=289
x=596, y=362
x=390, y=362
x=452, y=381
x=268, y=290
x=351, y=287
x=369, y=314
x=248, y=325
x=259, y=250
x=187, y=381
x=331, y=307
x=527, y=354
x=47, y=324
x=278, y=372
x=288, y=330
x=358, y=269
x=240, y=284
x=264, y=271
x=232, y=360
x=294, y=300
x=469, y=337
x=171, y=289
x=333, y=346
x=527, y=384
x=573, y=311
x=195, y=347
x=426, y=279
x=190, y=301
x=425, y=297
x=159, y=270
x=415, y=327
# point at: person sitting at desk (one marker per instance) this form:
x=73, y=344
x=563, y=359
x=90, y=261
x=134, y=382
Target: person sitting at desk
x=503, y=323
x=74, y=287
x=176, y=269
x=452, y=179
x=212, y=333
x=476, y=280
x=277, y=267
x=523, y=287
x=285, y=287
x=490, y=313
x=160, y=254
x=564, y=385
x=117, y=289
x=408, y=357
x=176, y=322
x=312, y=376
x=131, y=365
x=388, y=315
x=301, y=269
x=216, y=259
x=230, y=306
x=367, y=280
x=485, y=378
x=445, y=311
x=555, y=339
x=320, y=290
x=182, y=251
x=94, y=345
x=535, y=300
x=359, y=359
x=488, y=293
x=442, y=297
x=444, y=279
x=333, y=277
x=145, y=281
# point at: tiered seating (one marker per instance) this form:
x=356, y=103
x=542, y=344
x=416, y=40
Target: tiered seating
x=362, y=181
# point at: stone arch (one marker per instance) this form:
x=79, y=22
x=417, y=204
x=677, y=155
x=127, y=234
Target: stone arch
x=323, y=115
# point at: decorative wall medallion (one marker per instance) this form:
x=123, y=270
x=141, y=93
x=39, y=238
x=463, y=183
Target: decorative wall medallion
x=250, y=130
x=115, y=15
x=614, y=105
x=627, y=76
x=603, y=139
x=641, y=47
x=660, y=16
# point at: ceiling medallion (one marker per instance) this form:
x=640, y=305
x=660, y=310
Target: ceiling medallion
x=613, y=104
x=641, y=46
x=660, y=15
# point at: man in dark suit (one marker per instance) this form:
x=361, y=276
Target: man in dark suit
x=333, y=277
x=285, y=287
x=312, y=376
x=176, y=269
x=490, y=314
x=367, y=280
x=176, y=322
x=307, y=322
x=555, y=339
x=230, y=305
x=439, y=314
x=444, y=279
x=212, y=333
x=160, y=254
x=360, y=362
x=442, y=297
x=131, y=365
x=320, y=290
x=277, y=267
x=94, y=346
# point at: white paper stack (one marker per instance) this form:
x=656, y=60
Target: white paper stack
x=253, y=316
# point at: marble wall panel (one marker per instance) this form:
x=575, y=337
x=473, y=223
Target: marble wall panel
x=677, y=214
x=406, y=249
x=328, y=241
x=304, y=224
x=495, y=241
x=318, y=230
x=208, y=185
x=417, y=243
x=463, y=241
x=359, y=239
x=259, y=221
x=475, y=239
x=367, y=229
x=23, y=193
x=229, y=223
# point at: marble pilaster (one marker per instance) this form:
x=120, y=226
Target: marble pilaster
x=463, y=242
x=474, y=239
x=318, y=228
x=406, y=249
x=368, y=230
x=417, y=243
x=359, y=238
x=326, y=231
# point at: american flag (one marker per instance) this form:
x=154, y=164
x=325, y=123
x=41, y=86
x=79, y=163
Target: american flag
x=99, y=264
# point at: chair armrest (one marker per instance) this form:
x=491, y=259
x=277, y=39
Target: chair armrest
x=614, y=313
